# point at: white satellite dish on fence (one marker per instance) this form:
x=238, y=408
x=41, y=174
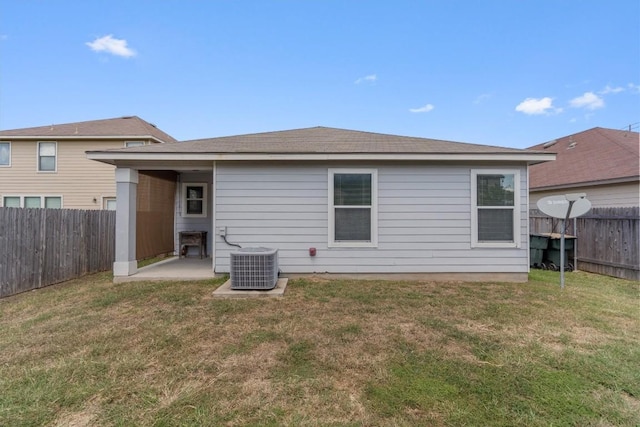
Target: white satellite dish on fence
x=564, y=207
x=558, y=206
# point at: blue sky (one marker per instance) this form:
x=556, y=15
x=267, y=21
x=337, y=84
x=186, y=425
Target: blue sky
x=509, y=73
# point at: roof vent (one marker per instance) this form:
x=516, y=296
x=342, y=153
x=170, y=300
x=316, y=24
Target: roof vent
x=571, y=145
x=127, y=117
x=550, y=143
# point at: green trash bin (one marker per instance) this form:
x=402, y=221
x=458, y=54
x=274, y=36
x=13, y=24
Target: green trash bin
x=537, y=245
x=552, y=255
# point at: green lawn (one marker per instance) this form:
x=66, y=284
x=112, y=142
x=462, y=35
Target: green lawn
x=335, y=353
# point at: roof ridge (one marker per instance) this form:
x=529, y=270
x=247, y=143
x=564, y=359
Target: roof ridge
x=624, y=147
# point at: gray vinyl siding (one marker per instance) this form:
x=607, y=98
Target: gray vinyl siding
x=424, y=219
x=194, y=224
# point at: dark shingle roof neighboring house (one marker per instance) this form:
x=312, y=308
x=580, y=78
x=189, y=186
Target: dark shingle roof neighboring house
x=319, y=141
x=594, y=156
x=122, y=127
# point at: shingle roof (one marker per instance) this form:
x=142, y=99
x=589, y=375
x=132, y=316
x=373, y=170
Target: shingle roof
x=130, y=126
x=592, y=156
x=321, y=140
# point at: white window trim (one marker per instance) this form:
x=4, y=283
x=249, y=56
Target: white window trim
x=42, y=199
x=332, y=243
x=135, y=144
x=516, y=243
x=55, y=163
x=8, y=165
x=205, y=190
x=103, y=201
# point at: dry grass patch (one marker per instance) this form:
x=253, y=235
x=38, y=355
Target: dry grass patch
x=328, y=353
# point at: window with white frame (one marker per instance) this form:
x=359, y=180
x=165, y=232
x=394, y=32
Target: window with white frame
x=5, y=154
x=353, y=207
x=47, y=153
x=194, y=200
x=49, y=202
x=495, y=219
x=133, y=143
x=11, y=202
x=109, y=203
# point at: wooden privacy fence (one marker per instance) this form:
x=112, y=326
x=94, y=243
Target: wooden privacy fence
x=40, y=247
x=608, y=239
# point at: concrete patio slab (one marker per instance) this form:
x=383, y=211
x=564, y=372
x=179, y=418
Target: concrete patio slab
x=178, y=269
x=225, y=291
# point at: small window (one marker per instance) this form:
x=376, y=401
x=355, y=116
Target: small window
x=133, y=143
x=194, y=200
x=50, y=202
x=353, y=208
x=109, y=203
x=47, y=152
x=53, y=202
x=495, y=216
x=11, y=202
x=32, y=202
x=5, y=154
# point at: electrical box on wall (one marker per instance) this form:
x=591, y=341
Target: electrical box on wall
x=221, y=231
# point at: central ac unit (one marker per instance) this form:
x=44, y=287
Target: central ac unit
x=254, y=269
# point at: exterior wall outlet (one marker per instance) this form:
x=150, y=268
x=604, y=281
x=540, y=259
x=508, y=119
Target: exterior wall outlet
x=222, y=231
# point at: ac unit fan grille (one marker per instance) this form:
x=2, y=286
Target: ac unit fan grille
x=254, y=269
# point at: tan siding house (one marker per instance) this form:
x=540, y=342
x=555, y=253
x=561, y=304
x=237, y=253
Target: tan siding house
x=603, y=163
x=47, y=166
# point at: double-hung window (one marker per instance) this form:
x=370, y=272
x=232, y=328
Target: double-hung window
x=194, y=200
x=47, y=153
x=5, y=154
x=495, y=219
x=353, y=215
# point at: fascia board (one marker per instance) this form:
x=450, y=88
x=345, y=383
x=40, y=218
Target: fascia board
x=61, y=138
x=515, y=157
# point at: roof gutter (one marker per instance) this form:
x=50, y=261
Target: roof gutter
x=113, y=157
x=81, y=137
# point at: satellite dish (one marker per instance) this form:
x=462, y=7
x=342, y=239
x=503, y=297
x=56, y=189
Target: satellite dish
x=557, y=206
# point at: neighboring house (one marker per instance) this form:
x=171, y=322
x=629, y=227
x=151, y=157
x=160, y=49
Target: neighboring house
x=46, y=166
x=603, y=163
x=366, y=202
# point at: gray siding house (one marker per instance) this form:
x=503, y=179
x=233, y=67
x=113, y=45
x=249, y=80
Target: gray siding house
x=367, y=203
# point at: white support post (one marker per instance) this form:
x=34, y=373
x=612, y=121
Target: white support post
x=126, y=193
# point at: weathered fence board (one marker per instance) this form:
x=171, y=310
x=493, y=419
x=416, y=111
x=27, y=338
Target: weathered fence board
x=608, y=239
x=40, y=247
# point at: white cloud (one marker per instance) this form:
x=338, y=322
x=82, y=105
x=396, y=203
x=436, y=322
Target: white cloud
x=371, y=78
x=608, y=89
x=533, y=106
x=112, y=45
x=634, y=88
x=589, y=100
x=482, y=98
x=424, y=109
